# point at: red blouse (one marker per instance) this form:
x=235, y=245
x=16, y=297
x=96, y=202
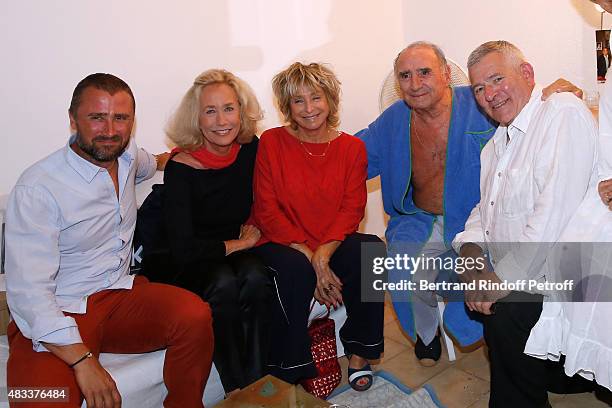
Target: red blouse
x=308, y=199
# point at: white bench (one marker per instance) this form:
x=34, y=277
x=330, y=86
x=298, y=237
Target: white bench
x=139, y=377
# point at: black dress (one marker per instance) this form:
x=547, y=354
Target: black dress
x=203, y=208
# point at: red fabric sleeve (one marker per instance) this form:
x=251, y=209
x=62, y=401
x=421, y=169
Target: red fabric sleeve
x=355, y=197
x=267, y=214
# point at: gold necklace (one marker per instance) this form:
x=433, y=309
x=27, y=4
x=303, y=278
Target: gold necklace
x=313, y=154
x=435, y=152
x=316, y=155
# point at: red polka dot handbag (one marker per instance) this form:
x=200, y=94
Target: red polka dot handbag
x=322, y=332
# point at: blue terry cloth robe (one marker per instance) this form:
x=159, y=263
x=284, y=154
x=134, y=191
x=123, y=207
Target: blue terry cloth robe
x=387, y=141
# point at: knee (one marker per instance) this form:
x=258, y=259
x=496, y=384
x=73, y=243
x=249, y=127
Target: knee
x=302, y=278
x=296, y=286
x=374, y=245
x=193, y=309
x=194, y=315
x=253, y=274
x=257, y=284
x=371, y=238
x=291, y=266
x=200, y=313
x=223, y=287
x=359, y=237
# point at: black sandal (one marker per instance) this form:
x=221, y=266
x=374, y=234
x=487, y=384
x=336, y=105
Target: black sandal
x=428, y=355
x=355, y=375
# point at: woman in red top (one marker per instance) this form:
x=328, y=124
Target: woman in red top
x=310, y=195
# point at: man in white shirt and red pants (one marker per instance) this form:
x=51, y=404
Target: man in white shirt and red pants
x=69, y=226
x=535, y=172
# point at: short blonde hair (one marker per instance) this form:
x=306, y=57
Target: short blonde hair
x=183, y=128
x=286, y=84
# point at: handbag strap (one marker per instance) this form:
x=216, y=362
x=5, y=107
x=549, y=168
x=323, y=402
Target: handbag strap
x=312, y=303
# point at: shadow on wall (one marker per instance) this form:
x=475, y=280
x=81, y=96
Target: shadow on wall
x=361, y=75
x=360, y=55
x=156, y=48
x=586, y=10
x=209, y=30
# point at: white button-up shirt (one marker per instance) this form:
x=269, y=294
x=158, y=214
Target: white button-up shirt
x=581, y=330
x=69, y=236
x=605, y=133
x=531, y=185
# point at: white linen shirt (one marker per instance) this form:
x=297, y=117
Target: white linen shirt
x=581, y=330
x=67, y=237
x=605, y=133
x=531, y=186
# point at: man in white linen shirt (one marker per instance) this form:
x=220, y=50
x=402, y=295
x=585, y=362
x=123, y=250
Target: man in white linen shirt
x=605, y=132
x=578, y=332
x=535, y=172
x=69, y=227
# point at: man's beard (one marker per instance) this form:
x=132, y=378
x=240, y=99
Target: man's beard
x=101, y=153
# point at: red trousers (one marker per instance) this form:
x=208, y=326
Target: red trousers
x=150, y=316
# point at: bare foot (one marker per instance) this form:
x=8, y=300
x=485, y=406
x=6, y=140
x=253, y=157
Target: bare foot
x=357, y=362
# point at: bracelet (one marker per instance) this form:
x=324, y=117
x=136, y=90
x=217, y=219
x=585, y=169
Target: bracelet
x=86, y=355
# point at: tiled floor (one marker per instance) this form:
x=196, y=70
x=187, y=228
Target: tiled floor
x=459, y=384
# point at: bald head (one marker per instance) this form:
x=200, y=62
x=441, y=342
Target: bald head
x=426, y=45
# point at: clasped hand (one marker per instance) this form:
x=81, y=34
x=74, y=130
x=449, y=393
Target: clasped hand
x=605, y=192
x=329, y=286
x=479, y=300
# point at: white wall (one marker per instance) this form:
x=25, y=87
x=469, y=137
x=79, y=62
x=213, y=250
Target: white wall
x=158, y=48
x=557, y=36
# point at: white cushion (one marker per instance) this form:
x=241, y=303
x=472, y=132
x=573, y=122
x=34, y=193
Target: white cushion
x=139, y=377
